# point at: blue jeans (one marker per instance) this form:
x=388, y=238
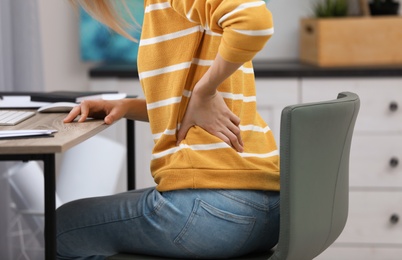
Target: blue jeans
x=179, y=224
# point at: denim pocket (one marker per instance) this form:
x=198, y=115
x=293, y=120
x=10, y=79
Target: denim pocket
x=214, y=233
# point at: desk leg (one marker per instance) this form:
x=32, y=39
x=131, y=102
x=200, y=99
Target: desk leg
x=130, y=154
x=50, y=206
x=49, y=162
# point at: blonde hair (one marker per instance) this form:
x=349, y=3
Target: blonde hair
x=107, y=12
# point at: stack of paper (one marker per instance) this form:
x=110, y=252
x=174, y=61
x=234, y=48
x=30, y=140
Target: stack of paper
x=22, y=133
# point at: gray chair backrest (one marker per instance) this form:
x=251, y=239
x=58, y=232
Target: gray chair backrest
x=314, y=146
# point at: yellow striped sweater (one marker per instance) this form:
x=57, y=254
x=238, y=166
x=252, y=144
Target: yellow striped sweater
x=179, y=41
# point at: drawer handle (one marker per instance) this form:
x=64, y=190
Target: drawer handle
x=309, y=29
x=393, y=106
x=394, y=218
x=394, y=162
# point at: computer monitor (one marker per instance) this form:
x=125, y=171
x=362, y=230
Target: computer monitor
x=100, y=44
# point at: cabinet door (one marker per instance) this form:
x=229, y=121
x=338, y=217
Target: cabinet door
x=272, y=96
x=374, y=219
x=376, y=161
x=380, y=100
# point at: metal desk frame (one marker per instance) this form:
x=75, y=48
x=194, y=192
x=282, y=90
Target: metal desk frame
x=50, y=184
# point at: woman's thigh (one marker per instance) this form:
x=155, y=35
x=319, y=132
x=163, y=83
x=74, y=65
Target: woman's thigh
x=105, y=225
x=188, y=223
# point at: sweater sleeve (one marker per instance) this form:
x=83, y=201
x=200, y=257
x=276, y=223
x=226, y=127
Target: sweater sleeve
x=245, y=25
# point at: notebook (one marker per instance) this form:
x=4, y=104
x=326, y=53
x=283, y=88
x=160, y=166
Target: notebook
x=68, y=96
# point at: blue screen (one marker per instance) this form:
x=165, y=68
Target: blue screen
x=100, y=44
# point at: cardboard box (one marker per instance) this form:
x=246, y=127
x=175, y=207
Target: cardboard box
x=351, y=41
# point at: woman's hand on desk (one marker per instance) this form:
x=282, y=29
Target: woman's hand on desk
x=109, y=110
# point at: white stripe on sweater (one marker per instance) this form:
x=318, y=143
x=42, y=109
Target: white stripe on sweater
x=207, y=147
x=255, y=32
x=246, y=70
x=238, y=9
x=184, y=65
x=188, y=15
x=255, y=128
x=187, y=93
x=165, y=102
x=201, y=62
x=196, y=147
x=170, y=36
x=209, y=32
x=238, y=97
x=227, y=95
x=260, y=155
x=155, y=7
x=166, y=132
x=152, y=73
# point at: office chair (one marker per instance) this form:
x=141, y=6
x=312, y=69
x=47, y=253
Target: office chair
x=315, y=141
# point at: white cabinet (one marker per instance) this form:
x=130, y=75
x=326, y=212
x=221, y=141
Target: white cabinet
x=374, y=228
x=272, y=96
x=380, y=99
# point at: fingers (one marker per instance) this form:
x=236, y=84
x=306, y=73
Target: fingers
x=82, y=109
x=84, y=112
x=73, y=114
x=109, y=119
x=181, y=134
x=232, y=140
x=230, y=134
x=234, y=135
x=235, y=119
x=108, y=110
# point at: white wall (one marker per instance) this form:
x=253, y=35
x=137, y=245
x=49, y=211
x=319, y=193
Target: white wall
x=63, y=68
x=284, y=44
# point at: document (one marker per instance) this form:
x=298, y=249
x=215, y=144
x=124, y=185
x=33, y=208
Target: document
x=26, y=133
x=19, y=101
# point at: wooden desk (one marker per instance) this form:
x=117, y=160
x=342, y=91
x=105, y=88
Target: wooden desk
x=45, y=148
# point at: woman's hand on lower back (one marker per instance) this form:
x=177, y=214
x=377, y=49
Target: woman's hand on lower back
x=211, y=113
x=207, y=108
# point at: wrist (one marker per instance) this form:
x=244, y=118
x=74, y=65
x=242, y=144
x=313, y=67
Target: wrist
x=205, y=87
x=204, y=92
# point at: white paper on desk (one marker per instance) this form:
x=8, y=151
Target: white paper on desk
x=30, y=132
x=114, y=96
x=20, y=102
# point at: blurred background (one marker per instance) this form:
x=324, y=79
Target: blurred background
x=46, y=45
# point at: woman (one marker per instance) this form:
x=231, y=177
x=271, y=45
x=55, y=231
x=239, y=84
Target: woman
x=215, y=161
